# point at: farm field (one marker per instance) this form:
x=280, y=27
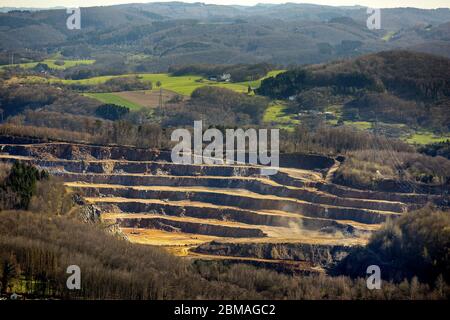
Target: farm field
x=114, y=98
x=277, y=114
x=134, y=100
x=183, y=85
x=171, y=85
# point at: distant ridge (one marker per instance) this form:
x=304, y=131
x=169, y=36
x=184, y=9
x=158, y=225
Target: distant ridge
x=8, y=9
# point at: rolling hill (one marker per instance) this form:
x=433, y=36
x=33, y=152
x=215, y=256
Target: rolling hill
x=395, y=87
x=178, y=33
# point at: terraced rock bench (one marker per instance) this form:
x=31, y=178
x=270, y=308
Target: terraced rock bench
x=203, y=211
x=296, y=217
x=256, y=185
x=173, y=225
x=245, y=200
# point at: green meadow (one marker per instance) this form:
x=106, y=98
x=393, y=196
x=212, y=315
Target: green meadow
x=388, y=36
x=361, y=125
x=276, y=114
x=183, y=85
x=426, y=138
x=114, y=99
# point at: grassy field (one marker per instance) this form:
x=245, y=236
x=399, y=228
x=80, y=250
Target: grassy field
x=183, y=85
x=115, y=99
x=276, y=114
x=426, y=138
x=388, y=36
x=361, y=125
x=257, y=83
x=146, y=98
x=51, y=64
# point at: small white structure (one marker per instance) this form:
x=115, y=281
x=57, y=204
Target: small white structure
x=225, y=77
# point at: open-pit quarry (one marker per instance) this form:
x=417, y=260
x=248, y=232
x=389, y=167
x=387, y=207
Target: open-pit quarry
x=296, y=220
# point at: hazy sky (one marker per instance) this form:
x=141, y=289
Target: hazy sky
x=368, y=3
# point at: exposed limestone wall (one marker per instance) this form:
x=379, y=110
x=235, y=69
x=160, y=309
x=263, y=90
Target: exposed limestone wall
x=330, y=194
x=189, y=227
x=229, y=214
x=252, y=185
x=320, y=255
x=82, y=152
x=412, y=198
x=389, y=185
x=307, y=209
x=88, y=152
x=230, y=201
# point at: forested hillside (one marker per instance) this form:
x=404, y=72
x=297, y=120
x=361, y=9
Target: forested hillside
x=160, y=35
x=393, y=87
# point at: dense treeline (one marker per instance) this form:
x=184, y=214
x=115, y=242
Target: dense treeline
x=116, y=84
x=19, y=185
x=121, y=132
x=388, y=108
x=295, y=81
x=415, y=245
x=407, y=74
x=285, y=84
x=20, y=56
x=111, y=111
x=437, y=149
x=16, y=98
x=317, y=138
x=239, y=72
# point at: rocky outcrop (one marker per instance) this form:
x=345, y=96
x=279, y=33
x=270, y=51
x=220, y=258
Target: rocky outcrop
x=89, y=213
